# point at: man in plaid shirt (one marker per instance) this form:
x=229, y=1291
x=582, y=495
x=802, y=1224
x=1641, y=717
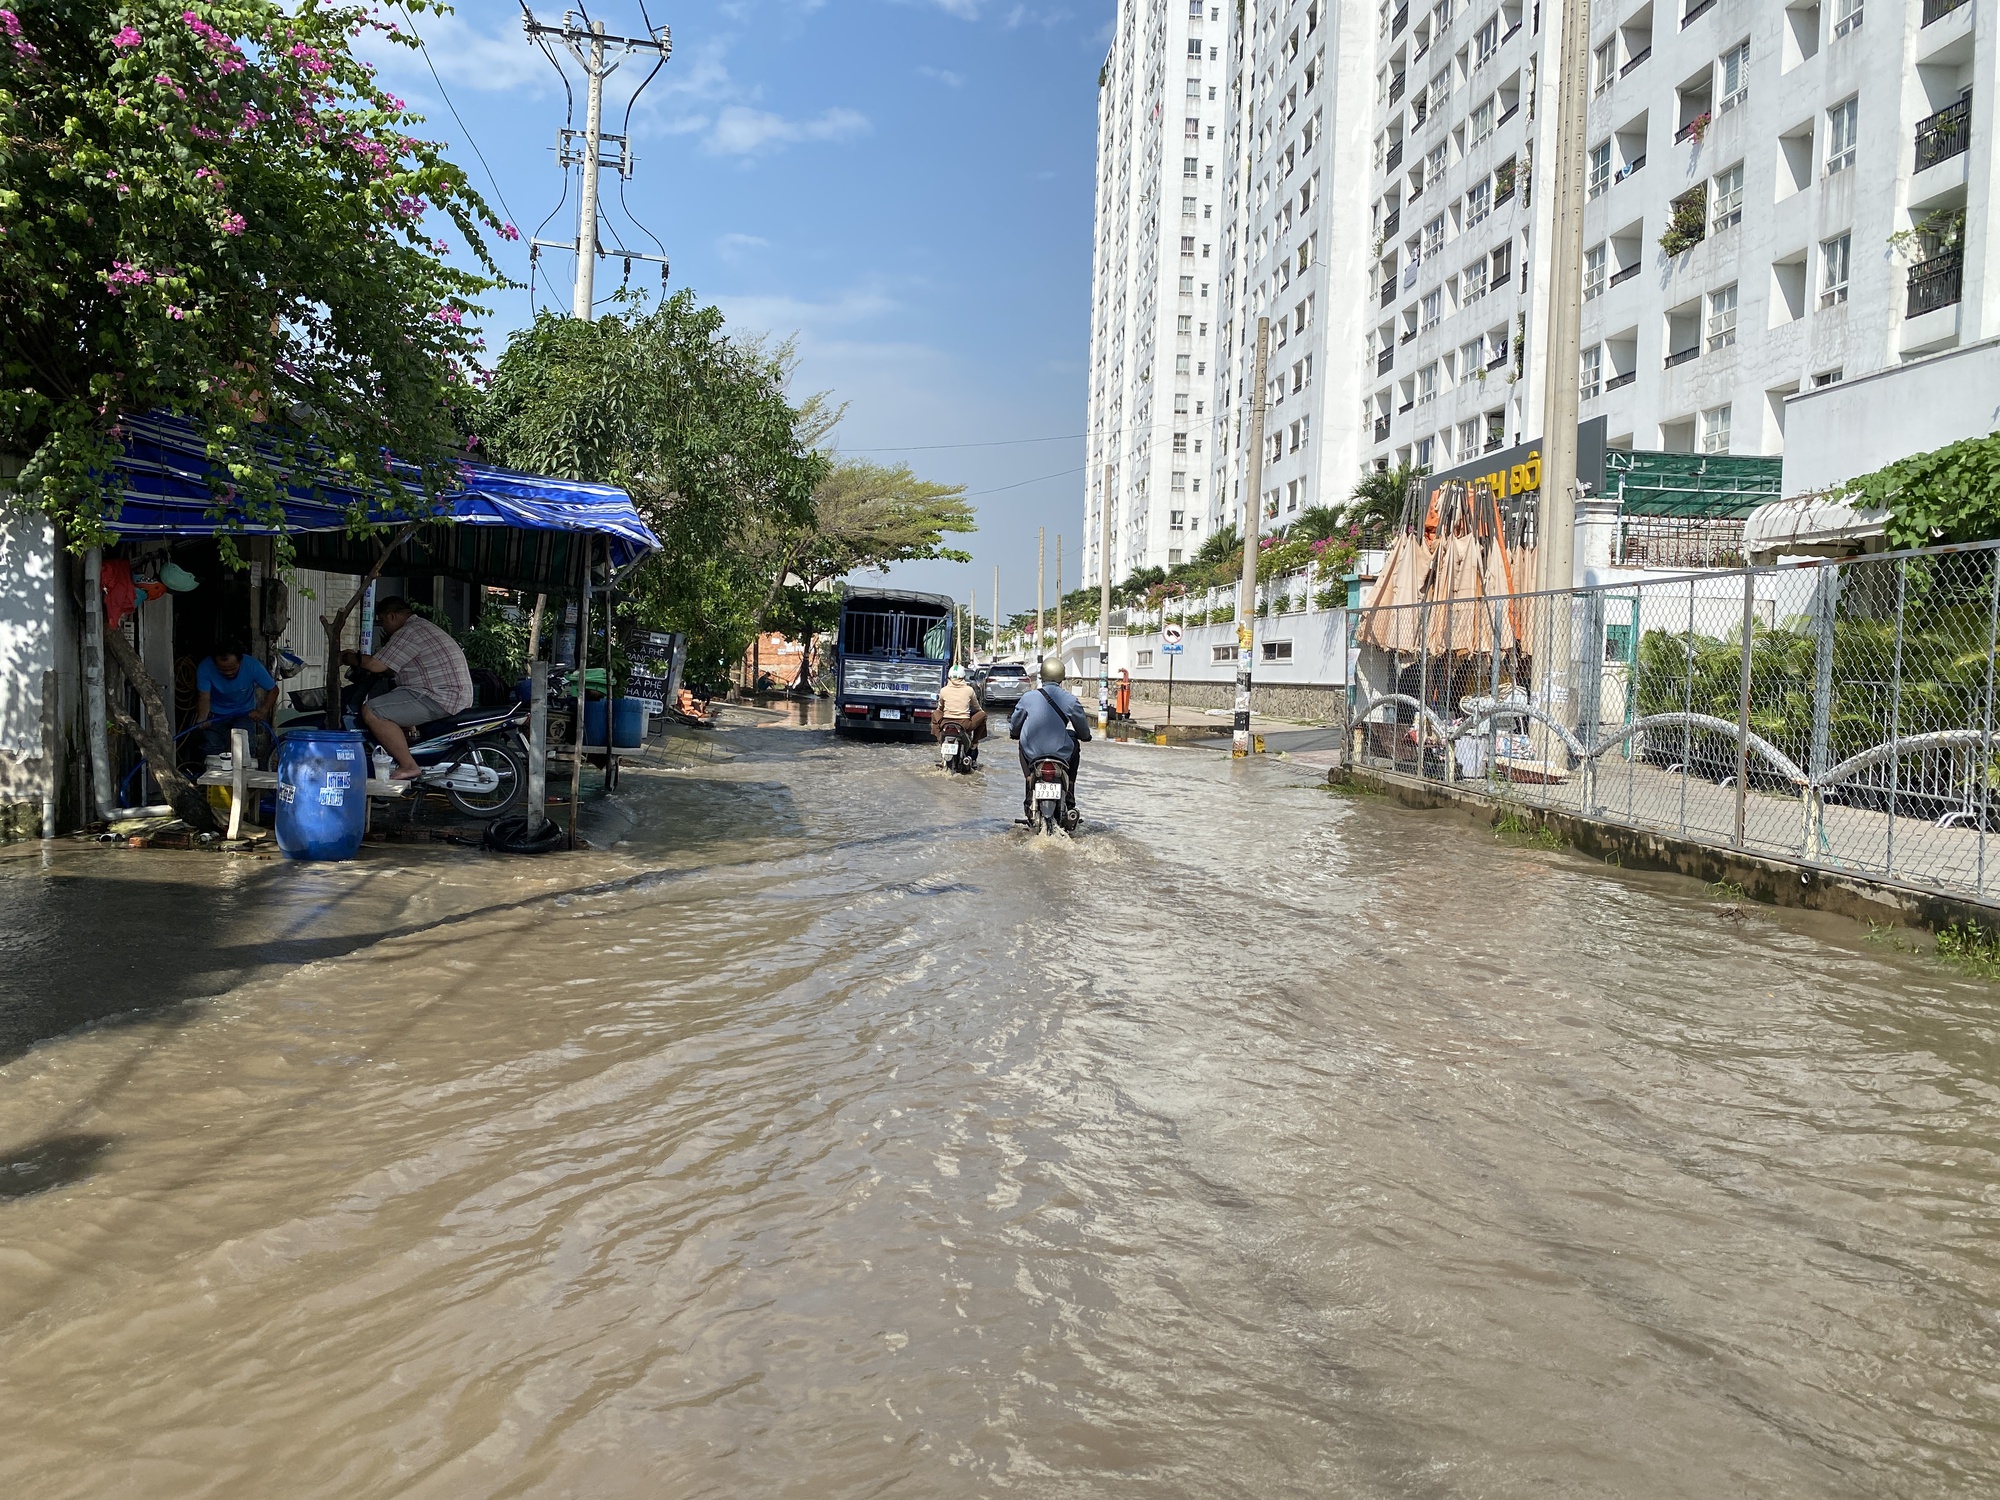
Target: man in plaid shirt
x=432, y=680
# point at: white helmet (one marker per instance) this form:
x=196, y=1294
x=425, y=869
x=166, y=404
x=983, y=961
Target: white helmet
x=958, y=674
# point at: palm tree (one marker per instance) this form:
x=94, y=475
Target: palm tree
x=1377, y=501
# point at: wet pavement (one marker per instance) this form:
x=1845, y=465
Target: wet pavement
x=834, y=1136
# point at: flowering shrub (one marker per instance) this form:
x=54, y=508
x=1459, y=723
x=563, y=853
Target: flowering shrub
x=211, y=208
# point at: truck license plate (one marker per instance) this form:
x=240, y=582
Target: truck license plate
x=889, y=713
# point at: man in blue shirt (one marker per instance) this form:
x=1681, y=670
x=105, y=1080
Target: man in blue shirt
x=1050, y=724
x=232, y=691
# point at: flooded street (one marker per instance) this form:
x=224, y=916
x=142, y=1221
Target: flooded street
x=832, y=1137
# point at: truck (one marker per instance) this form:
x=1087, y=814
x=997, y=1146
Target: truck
x=890, y=658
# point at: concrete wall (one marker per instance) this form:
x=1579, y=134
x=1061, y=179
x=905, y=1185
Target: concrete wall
x=1859, y=425
x=41, y=736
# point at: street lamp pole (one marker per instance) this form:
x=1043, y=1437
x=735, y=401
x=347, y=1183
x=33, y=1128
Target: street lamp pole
x=1253, y=516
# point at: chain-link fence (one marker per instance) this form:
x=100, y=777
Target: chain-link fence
x=1840, y=714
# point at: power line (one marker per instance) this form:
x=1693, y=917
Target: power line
x=1064, y=437
x=444, y=93
x=975, y=494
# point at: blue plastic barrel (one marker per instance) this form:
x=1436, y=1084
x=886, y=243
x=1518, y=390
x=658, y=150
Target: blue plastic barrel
x=593, y=721
x=322, y=793
x=628, y=723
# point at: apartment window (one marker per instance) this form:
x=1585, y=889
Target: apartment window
x=1434, y=237
x=1181, y=405
x=1194, y=88
x=1184, y=326
x=1604, y=66
x=1590, y=374
x=1843, y=123
x=1482, y=121
x=1594, y=260
x=1435, y=163
x=1478, y=202
x=1846, y=16
x=1180, y=364
x=1600, y=168
x=1277, y=650
x=1177, y=520
x=1486, y=41
x=1726, y=201
x=1427, y=383
x=1826, y=378
x=1433, y=308
x=1179, y=481
x=1833, y=258
x=1180, y=442
x=1722, y=318
x=1426, y=451
x=1468, y=437
x=1187, y=208
x=1715, y=430
x=1735, y=71
x=1190, y=166
x=1503, y=264
x=1187, y=286
x=1221, y=653
x=1471, y=356
x=1187, y=245
x=1145, y=658
x=1472, y=285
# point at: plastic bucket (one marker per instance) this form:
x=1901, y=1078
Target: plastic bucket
x=593, y=722
x=322, y=793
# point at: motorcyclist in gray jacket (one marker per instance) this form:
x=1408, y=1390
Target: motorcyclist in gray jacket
x=1050, y=724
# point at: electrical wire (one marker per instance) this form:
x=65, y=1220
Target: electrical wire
x=1061, y=437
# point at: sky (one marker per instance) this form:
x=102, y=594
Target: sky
x=902, y=185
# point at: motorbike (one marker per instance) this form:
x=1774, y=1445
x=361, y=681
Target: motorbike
x=958, y=750
x=1051, y=800
x=478, y=758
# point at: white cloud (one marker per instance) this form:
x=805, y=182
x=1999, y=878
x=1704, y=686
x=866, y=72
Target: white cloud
x=463, y=55
x=742, y=131
x=942, y=75
x=780, y=315
x=734, y=246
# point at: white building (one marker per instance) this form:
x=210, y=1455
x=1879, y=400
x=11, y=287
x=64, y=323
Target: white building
x=1826, y=170
x=1153, y=279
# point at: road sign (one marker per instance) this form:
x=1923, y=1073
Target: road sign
x=1170, y=639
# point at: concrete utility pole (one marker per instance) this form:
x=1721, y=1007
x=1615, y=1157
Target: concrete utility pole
x=1059, y=634
x=592, y=48
x=1041, y=577
x=1556, y=532
x=993, y=633
x=1104, y=603
x=1253, y=518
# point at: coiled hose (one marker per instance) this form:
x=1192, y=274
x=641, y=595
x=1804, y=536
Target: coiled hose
x=510, y=835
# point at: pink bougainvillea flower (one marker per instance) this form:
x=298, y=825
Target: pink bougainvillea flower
x=440, y=247
x=10, y=23
x=175, y=313
x=233, y=224
x=449, y=314
x=126, y=40
x=509, y=232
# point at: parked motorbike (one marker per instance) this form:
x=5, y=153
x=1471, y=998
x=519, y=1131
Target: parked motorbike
x=1051, y=799
x=957, y=748
x=479, y=758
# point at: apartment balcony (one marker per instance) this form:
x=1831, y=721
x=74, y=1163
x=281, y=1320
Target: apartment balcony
x=1512, y=110
x=1402, y=19
x=1937, y=10
x=1946, y=134
x=1386, y=360
x=1392, y=222
x=1636, y=58
x=1695, y=11
x=1935, y=283
x=1620, y=277
x=1396, y=88
x=1407, y=406
x=1395, y=157
x=1389, y=290
x=1381, y=429
x=1683, y=356
x=1628, y=169
x=1619, y=382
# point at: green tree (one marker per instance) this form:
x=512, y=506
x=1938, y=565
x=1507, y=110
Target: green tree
x=864, y=516
x=210, y=207
x=1951, y=494
x=1376, y=502
x=695, y=426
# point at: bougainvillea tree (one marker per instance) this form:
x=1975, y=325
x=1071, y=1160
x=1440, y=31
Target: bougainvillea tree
x=210, y=207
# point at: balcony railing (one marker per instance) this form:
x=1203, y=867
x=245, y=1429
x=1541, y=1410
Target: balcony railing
x=1386, y=360
x=1392, y=223
x=1695, y=12
x=1937, y=282
x=1617, y=382
x=1395, y=157
x=1937, y=10
x=1396, y=88
x=1409, y=336
x=1497, y=361
x=1687, y=131
x=1381, y=429
x=1407, y=406
x=1511, y=111
x=1402, y=19
x=1618, y=277
x=1629, y=168
x=1637, y=57
x=1946, y=134
x=1389, y=291
x=1682, y=356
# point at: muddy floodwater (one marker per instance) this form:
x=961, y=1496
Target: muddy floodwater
x=832, y=1137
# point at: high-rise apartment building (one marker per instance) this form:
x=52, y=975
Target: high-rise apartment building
x=1779, y=196
x=1153, y=279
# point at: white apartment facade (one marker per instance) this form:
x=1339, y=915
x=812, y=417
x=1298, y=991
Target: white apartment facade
x=1152, y=337
x=1455, y=292
x=1823, y=173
